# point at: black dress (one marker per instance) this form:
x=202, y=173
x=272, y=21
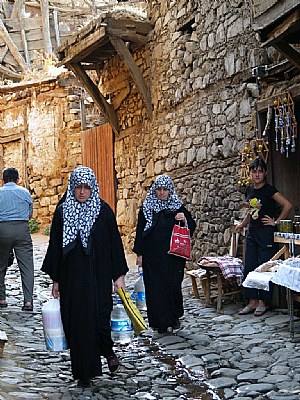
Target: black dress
x=85, y=286
x=260, y=245
x=163, y=273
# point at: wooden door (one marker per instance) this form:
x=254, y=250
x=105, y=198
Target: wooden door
x=97, y=146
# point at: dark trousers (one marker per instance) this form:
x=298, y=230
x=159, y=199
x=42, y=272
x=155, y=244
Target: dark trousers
x=260, y=248
x=16, y=235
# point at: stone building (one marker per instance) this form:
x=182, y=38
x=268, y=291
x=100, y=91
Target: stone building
x=190, y=112
x=40, y=135
x=199, y=65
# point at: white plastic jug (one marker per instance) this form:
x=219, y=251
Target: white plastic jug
x=139, y=291
x=52, y=325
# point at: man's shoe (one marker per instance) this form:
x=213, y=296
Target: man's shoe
x=113, y=363
x=27, y=307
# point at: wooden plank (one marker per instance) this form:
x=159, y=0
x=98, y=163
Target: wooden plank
x=93, y=90
x=12, y=47
x=275, y=13
x=80, y=50
x=136, y=74
x=17, y=40
x=259, y=6
x=35, y=45
x=127, y=36
x=11, y=138
x=262, y=105
x=128, y=24
x=34, y=34
x=12, y=25
x=97, y=153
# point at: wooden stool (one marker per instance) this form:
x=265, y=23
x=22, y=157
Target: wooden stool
x=197, y=274
x=225, y=287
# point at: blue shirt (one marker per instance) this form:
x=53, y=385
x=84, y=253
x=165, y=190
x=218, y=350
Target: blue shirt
x=15, y=203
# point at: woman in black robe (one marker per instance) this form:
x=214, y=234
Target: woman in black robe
x=85, y=255
x=163, y=273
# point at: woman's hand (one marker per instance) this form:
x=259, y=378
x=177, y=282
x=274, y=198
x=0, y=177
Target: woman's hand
x=266, y=220
x=139, y=261
x=180, y=217
x=55, y=290
x=119, y=283
x=238, y=228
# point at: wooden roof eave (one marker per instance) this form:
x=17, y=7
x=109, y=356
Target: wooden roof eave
x=83, y=51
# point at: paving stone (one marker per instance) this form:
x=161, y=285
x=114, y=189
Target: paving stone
x=246, y=357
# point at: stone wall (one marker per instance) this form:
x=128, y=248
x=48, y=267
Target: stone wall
x=40, y=135
x=197, y=63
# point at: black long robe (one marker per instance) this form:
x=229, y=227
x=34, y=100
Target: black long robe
x=85, y=286
x=162, y=272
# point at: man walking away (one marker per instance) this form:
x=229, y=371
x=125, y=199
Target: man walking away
x=16, y=207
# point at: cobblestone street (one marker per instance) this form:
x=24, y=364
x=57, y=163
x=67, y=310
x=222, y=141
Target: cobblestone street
x=213, y=356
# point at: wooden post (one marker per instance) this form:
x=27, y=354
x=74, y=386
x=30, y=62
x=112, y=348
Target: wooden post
x=56, y=28
x=46, y=26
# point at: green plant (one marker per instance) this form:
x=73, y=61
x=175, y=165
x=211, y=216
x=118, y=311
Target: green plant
x=33, y=225
x=47, y=230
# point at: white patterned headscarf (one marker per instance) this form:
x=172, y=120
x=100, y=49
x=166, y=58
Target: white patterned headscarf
x=78, y=218
x=152, y=204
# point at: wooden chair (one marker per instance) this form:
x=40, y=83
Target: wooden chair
x=211, y=277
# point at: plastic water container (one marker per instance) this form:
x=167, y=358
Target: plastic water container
x=121, y=326
x=53, y=329
x=139, y=292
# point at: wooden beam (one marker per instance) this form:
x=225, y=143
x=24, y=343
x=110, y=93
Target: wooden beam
x=289, y=52
x=12, y=47
x=11, y=138
x=93, y=90
x=262, y=105
x=46, y=26
x=136, y=74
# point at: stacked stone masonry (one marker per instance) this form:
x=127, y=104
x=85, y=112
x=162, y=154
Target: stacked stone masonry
x=197, y=64
x=40, y=135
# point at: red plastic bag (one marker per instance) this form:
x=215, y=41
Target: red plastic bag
x=180, y=244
